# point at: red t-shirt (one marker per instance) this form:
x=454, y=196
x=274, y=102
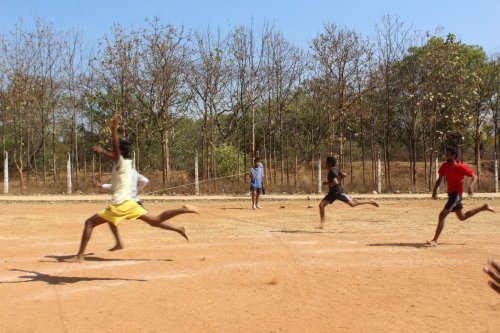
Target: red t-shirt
x=455, y=174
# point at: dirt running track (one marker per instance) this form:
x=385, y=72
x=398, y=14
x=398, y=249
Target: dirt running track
x=268, y=270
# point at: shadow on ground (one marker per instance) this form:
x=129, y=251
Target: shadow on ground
x=61, y=280
x=91, y=257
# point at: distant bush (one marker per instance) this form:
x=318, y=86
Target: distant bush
x=226, y=157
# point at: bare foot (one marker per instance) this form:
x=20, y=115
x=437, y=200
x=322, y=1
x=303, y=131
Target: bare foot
x=182, y=232
x=488, y=207
x=431, y=243
x=374, y=203
x=320, y=226
x=191, y=209
x=116, y=248
x=76, y=258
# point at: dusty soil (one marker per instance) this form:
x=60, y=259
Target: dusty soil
x=267, y=270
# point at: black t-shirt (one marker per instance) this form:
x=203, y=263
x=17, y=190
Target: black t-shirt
x=332, y=174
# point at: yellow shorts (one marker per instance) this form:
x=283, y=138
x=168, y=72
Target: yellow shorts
x=129, y=210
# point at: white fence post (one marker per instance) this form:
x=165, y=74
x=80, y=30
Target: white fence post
x=436, y=167
x=68, y=171
x=6, y=173
x=379, y=174
x=319, y=173
x=196, y=180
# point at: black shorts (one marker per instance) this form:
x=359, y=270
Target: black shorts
x=336, y=195
x=255, y=189
x=454, y=202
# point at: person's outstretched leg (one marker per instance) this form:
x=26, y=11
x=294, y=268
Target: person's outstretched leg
x=439, y=228
x=462, y=217
x=354, y=203
x=90, y=223
x=114, y=230
x=158, y=221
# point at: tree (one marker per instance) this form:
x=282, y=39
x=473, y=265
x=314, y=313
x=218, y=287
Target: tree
x=338, y=53
x=391, y=42
x=161, y=84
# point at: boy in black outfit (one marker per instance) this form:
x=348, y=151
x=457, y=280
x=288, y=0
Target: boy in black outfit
x=335, y=191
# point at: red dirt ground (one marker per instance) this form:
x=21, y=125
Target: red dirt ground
x=267, y=270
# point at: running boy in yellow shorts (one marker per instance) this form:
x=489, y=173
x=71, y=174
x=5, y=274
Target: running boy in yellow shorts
x=123, y=206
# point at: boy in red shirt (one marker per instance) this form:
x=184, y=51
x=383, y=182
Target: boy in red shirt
x=454, y=171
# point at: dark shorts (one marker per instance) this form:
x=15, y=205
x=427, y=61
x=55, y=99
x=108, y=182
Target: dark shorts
x=336, y=195
x=255, y=189
x=454, y=202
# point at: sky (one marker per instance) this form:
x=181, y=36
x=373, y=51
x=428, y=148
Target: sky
x=473, y=22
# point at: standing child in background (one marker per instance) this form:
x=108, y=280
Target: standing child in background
x=454, y=171
x=257, y=182
x=336, y=192
x=122, y=204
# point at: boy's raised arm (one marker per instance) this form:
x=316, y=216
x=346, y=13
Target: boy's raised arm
x=116, y=141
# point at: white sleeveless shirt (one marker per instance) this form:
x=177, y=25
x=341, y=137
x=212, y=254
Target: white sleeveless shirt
x=121, y=181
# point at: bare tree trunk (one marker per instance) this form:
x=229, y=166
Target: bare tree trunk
x=350, y=156
x=312, y=173
x=424, y=145
x=34, y=160
x=266, y=174
x=282, y=162
x=100, y=168
x=74, y=146
x=245, y=151
x=19, y=167
x=165, y=158
x=431, y=157
x=28, y=162
x=414, y=155
x=238, y=150
x=295, y=146
x=137, y=149
x=44, y=151
x=296, y=174
x=272, y=170
x=275, y=159
x=54, y=165
x=287, y=163
x=477, y=151
x=362, y=149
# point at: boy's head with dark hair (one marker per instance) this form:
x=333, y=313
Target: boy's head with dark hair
x=331, y=161
x=451, y=153
x=256, y=161
x=125, y=148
